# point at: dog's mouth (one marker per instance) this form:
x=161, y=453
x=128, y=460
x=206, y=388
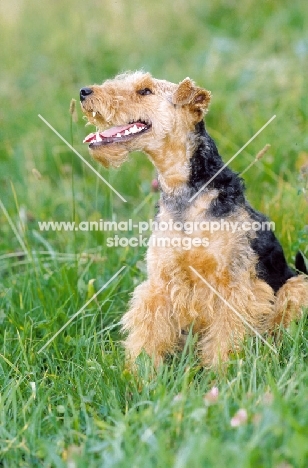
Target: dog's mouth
x=117, y=134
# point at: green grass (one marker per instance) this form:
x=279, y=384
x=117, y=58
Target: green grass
x=74, y=404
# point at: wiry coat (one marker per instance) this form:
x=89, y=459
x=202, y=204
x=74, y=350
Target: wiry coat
x=244, y=271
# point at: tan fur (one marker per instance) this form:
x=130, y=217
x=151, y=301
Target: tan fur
x=291, y=297
x=116, y=102
x=173, y=298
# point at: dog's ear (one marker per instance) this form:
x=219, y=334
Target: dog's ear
x=187, y=93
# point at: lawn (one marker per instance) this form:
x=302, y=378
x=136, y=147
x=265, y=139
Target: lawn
x=66, y=397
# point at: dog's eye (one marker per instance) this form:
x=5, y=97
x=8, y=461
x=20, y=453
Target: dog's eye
x=144, y=91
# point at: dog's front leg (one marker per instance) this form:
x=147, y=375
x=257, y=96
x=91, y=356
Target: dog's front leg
x=220, y=338
x=149, y=323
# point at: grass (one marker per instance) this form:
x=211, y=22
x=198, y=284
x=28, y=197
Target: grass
x=74, y=404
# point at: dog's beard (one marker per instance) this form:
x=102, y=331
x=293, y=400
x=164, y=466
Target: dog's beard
x=110, y=156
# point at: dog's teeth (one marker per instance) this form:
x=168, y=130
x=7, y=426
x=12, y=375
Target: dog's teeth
x=134, y=129
x=94, y=114
x=98, y=138
x=126, y=132
x=118, y=135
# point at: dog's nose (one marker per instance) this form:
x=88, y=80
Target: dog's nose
x=84, y=92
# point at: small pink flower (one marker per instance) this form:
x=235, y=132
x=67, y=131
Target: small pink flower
x=211, y=396
x=155, y=185
x=239, y=418
x=178, y=397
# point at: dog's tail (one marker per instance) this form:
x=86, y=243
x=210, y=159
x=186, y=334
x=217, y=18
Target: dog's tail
x=301, y=263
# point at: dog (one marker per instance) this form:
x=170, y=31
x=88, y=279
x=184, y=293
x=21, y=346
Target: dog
x=236, y=284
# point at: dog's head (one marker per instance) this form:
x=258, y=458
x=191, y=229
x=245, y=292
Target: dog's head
x=135, y=111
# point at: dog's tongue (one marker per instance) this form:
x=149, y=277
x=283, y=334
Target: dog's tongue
x=113, y=132
x=110, y=132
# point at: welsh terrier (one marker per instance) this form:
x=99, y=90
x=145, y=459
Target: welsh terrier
x=239, y=280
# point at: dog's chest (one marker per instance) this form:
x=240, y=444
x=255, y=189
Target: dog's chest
x=185, y=236
x=194, y=237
